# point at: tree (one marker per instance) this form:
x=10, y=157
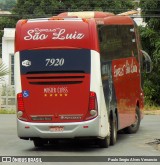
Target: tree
x=151, y=43
x=53, y=7
x=42, y=8
x=7, y=4
x=3, y=70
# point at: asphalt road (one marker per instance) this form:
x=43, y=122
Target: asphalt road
x=144, y=143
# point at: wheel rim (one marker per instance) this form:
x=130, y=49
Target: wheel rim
x=114, y=133
x=134, y=125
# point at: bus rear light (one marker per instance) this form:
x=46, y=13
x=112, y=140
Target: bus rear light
x=20, y=101
x=20, y=105
x=85, y=126
x=24, y=22
x=92, y=101
x=93, y=107
x=84, y=20
x=19, y=114
x=93, y=112
x=56, y=18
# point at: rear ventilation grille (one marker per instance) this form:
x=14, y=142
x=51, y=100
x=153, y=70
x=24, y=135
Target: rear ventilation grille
x=55, y=79
x=56, y=83
x=55, y=72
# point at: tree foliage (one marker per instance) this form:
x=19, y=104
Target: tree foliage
x=44, y=8
x=151, y=43
x=3, y=70
x=53, y=7
x=7, y=4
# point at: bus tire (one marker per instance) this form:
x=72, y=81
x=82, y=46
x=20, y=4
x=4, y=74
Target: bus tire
x=113, y=131
x=135, y=126
x=38, y=143
x=104, y=143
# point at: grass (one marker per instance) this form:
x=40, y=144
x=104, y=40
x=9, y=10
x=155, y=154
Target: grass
x=151, y=107
x=6, y=111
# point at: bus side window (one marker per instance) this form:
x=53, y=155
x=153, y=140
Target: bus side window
x=133, y=31
x=100, y=34
x=102, y=40
x=117, y=41
x=139, y=46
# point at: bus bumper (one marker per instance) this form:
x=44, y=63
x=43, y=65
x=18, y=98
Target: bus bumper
x=71, y=130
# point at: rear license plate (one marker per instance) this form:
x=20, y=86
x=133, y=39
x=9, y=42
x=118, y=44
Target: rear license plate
x=57, y=128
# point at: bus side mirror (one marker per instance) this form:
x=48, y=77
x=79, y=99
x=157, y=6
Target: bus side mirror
x=147, y=63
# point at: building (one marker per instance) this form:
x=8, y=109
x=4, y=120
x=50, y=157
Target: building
x=8, y=53
x=138, y=19
x=4, y=12
x=7, y=100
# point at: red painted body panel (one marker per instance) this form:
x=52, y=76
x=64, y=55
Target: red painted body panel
x=126, y=79
x=57, y=100
x=55, y=34
x=118, y=20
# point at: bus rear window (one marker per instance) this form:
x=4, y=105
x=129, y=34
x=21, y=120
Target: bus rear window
x=55, y=61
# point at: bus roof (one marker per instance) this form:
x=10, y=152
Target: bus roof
x=87, y=14
x=102, y=17
x=63, y=33
x=115, y=20
x=55, y=33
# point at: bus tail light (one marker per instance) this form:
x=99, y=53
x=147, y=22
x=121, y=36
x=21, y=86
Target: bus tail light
x=20, y=102
x=24, y=21
x=20, y=105
x=93, y=106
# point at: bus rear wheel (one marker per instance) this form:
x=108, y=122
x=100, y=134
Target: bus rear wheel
x=113, y=131
x=135, y=126
x=38, y=143
x=104, y=143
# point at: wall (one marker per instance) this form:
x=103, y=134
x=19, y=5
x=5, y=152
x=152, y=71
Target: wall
x=8, y=49
x=7, y=96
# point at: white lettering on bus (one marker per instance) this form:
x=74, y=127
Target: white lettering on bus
x=133, y=68
x=58, y=34
x=127, y=68
x=53, y=90
x=118, y=72
x=54, y=62
x=32, y=35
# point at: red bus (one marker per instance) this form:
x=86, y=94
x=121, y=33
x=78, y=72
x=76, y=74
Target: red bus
x=78, y=78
